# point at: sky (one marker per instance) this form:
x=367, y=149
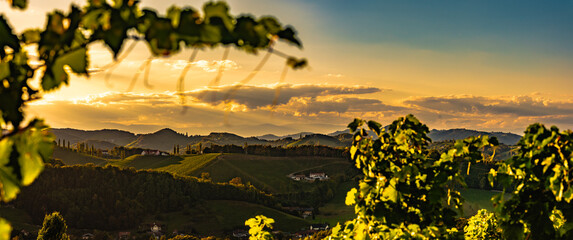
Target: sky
x=483, y=65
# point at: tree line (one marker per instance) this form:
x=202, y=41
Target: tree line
x=110, y=198
x=279, y=151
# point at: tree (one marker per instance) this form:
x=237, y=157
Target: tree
x=236, y=181
x=406, y=192
x=53, y=228
x=62, y=47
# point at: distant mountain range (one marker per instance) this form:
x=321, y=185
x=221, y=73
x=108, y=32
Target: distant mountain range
x=166, y=139
x=460, y=133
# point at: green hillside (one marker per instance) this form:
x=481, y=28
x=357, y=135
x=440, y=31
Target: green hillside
x=318, y=140
x=218, y=216
x=182, y=165
x=269, y=173
x=72, y=158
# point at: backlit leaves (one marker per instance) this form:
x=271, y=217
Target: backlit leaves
x=22, y=158
x=62, y=47
x=540, y=176
x=76, y=60
x=5, y=229
x=258, y=227
x=406, y=192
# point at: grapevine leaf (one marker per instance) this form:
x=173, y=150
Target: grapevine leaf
x=21, y=4
x=5, y=229
x=297, y=63
x=210, y=34
x=390, y=193
x=189, y=28
x=289, y=35
x=7, y=38
x=4, y=70
x=9, y=186
x=351, y=197
x=97, y=3
x=271, y=25
x=218, y=13
x=568, y=195
x=95, y=18
x=245, y=31
x=55, y=74
x=355, y=124
x=37, y=147
x=161, y=38
x=145, y=21
x=31, y=36
x=375, y=126
x=174, y=13
x=115, y=36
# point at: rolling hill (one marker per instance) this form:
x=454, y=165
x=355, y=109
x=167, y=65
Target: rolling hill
x=99, y=144
x=317, y=140
x=164, y=140
x=228, y=139
x=456, y=134
x=118, y=137
x=69, y=157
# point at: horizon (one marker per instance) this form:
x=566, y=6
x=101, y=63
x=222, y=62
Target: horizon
x=260, y=135
x=490, y=66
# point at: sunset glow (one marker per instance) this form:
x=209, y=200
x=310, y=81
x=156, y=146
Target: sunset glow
x=484, y=65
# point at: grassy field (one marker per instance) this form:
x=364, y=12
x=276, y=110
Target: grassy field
x=183, y=165
x=19, y=219
x=269, y=173
x=336, y=211
x=215, y=217
x=476, y=199
x=72, y=158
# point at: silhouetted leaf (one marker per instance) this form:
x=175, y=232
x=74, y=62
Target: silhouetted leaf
x=375, y=126
x=289, y=35
x=7, y=38
x=355, y=124
x=218, y=11
x=21, y=4
x=31, y=36
x=161, y=37
x=271, y=25
x=55, y=74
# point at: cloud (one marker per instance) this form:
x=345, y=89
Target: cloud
x=491, y=113
x=300, y=106
x=128, y=98
x=522, y=106
x=261, y=96
x=338, y=105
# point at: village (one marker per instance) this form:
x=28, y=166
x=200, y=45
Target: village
x=320, y=176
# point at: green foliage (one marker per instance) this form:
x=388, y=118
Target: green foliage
x=5, y=229
x=484, y=225
x=62, y=47
x=406, y=192
x=53, y=228
x=541, y=179
x=258, y=228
